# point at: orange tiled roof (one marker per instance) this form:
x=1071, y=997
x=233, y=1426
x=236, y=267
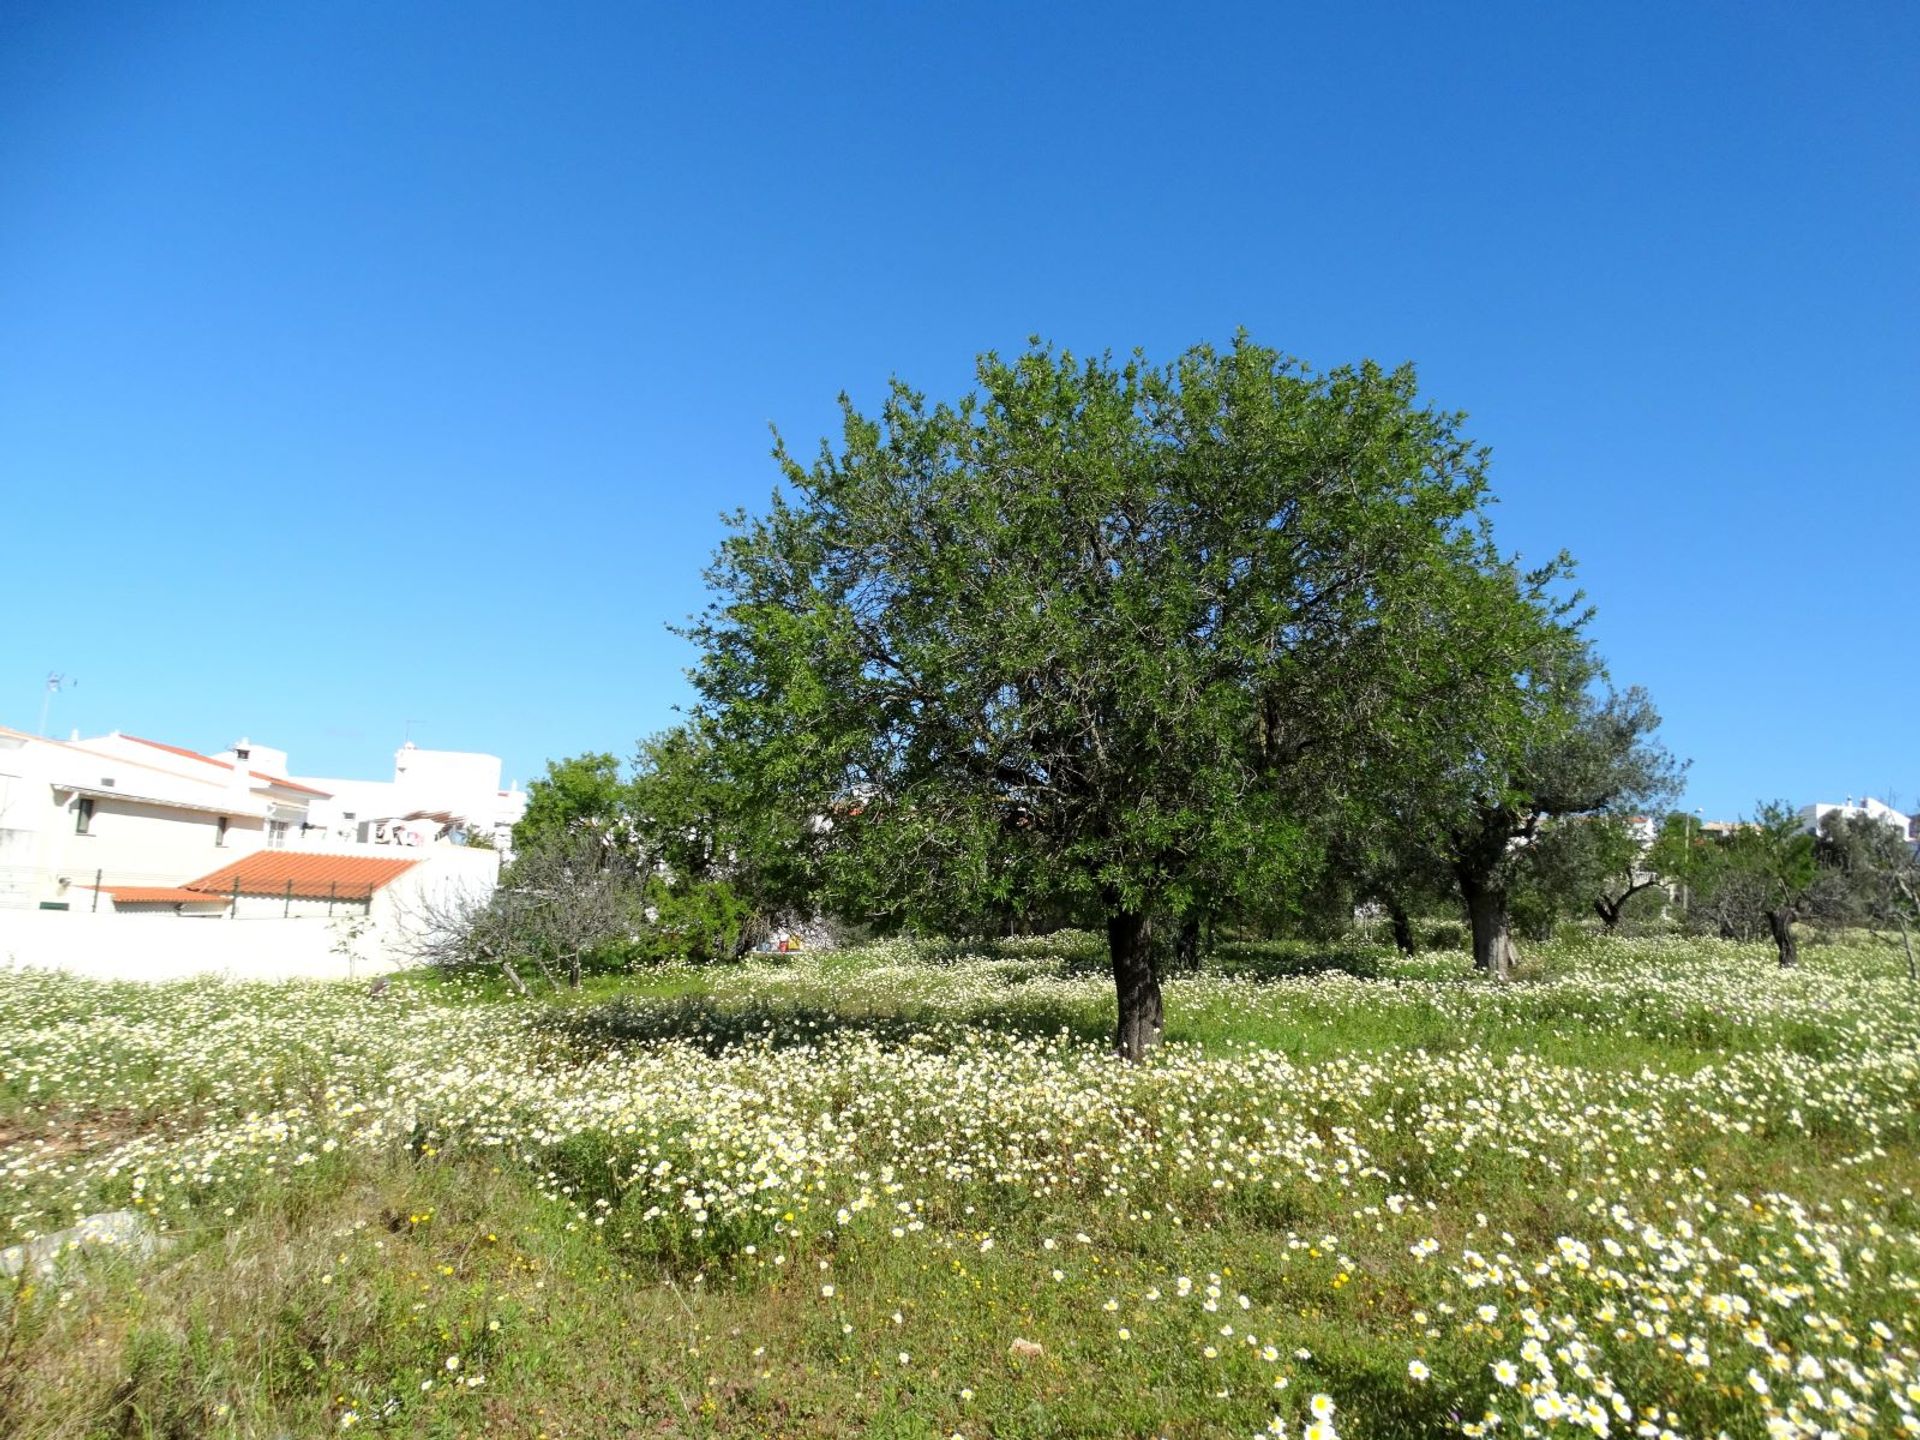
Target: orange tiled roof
x=280, y=780
x=155, y=895
x=314, y=877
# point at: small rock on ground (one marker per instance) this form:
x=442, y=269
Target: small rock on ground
x=126, y=1231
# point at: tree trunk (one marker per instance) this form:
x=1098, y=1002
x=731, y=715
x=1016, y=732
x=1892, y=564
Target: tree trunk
x=1187, y=948
x=1782, y=929
x=1609, y=912
x=1402, y=929
x=1136, y=986
x=1492, y=942
x=573, y=971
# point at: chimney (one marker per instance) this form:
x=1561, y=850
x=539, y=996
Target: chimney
x=237, y=777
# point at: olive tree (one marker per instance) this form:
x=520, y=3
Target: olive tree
x=1580, y=753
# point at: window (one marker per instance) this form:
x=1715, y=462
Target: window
x=83, y=816
x=276, y=834
x=220, y=832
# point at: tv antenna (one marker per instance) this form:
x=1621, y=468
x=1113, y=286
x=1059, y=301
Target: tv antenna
x=56, y=682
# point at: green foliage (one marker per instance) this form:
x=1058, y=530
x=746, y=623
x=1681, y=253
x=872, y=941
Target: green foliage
x=583, y=791
x=694, y=920
x=1872, y=870
x=1578, y=866
x=1765, y=877
x=1576, y=756
x=1097, y=638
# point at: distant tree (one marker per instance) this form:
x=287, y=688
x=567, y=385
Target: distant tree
x=1578, y=754
x=1577, y=865
x=1769, y=869
x=1389, y=864
x=1614, y=863
x=713, y=876
x=1680, y=854
x=1875, y=875
x=565, y=897
x=1098, y=634
x=583, y=791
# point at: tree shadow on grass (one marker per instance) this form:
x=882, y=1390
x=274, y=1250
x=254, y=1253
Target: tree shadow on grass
x=1273, y=961
x=717, y=1026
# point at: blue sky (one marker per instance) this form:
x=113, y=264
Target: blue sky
x=366, y=366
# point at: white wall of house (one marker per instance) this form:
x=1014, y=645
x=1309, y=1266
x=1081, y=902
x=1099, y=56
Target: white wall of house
x=1812, y=816
x=287, y=805
x=149, y=826
x=349, y=805
x=449, y=879
x=127, y=842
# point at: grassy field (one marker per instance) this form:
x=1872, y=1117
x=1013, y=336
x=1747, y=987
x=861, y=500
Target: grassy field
x=1649, y=1188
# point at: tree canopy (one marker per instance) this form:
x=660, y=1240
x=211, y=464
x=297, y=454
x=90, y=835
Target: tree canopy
x=1112, y=632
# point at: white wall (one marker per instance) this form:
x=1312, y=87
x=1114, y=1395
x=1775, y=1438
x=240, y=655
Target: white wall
x=128, y=947
x=363, y=799
x=1812, y=815
x=450, y=880
x=463, y=781
x=130, y=841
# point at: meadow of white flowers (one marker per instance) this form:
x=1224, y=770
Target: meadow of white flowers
x=1660, y=1189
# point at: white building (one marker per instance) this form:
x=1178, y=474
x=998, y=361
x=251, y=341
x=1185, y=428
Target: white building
x=256, y=771
x=122, y=824
x=128, y=812
x=1813, y=816
x=434, y=794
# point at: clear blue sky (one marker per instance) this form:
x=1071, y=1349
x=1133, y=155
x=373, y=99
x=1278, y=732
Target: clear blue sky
x=366, y=364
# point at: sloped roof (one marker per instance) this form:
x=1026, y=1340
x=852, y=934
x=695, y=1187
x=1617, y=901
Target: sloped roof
x=156, y=895
x=314, y=877
x=280, y=780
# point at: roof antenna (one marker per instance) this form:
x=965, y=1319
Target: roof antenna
x=56, y=682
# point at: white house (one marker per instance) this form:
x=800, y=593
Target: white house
x=285, y=803
x=1812, y=816
x=128, y=813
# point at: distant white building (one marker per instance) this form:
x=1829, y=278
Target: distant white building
x=1813, y=816
x=117, y=823
x=434, y=794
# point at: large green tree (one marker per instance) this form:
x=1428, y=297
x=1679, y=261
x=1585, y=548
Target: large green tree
x=1098, y=631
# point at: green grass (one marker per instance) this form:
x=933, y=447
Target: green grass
x=726, y=1201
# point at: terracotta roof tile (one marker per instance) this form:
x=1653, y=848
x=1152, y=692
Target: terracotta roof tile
x=155, y=895
x=314, y=877
x=280, y=780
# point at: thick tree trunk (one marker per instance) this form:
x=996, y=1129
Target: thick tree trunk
x=1781, y=927
x=1136, y=986
x=1492, y=941
x=1187, y=948
x=1402, y=928
x=573, y=971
